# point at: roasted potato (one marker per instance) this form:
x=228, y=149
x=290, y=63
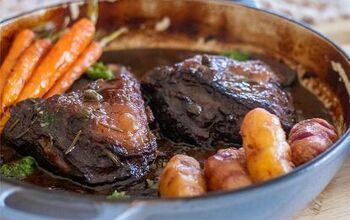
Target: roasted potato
x=182, y=177
x=309, y=138
x=227, y=170
x=264, y=141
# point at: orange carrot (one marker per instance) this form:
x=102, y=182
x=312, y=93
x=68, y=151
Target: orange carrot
x=59, y=59
x=23, y=69
x=89, y=56
x=3, y=120
x=22, y=40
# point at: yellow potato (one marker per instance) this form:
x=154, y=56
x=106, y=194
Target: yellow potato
x=227, y=170
x=182, y=177
x=264, y=141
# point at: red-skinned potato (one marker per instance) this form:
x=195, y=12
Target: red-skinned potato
x=309, y=138
x=264, y=141
x=182, y=177
x=227, y=170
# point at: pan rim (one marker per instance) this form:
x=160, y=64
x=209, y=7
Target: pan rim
x=341, y=144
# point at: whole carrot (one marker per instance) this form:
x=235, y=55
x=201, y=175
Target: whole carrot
x=23, y=69
x=89, y=56
x=3, y=120
x=22, y=40
x=59, y=59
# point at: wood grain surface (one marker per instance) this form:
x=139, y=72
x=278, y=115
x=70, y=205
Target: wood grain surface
x=334, y=202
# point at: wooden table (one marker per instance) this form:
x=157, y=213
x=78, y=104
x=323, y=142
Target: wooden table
x=334, y=202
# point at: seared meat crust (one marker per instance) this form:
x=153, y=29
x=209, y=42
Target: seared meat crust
x=203, y=100
x=96, y=135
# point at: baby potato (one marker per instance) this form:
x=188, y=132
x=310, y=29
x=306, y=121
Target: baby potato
x=309, y=138
x=182, y=177
x=227, y=170
x=264, y=141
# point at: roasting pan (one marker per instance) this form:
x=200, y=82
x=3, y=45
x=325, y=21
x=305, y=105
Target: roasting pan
x=210, y=26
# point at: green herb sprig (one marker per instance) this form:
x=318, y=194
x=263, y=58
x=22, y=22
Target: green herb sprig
x=118, y=195
x=99, y=71
x=237, y=55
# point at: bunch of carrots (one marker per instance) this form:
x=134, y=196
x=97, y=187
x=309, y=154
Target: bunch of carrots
x=36, y=68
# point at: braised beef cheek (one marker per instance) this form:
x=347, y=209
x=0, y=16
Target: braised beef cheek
x=96, y=135
x=203, y=100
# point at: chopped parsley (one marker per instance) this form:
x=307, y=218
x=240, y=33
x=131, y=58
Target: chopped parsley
x=20, y=168
x=152, y=184
x=45, y=119
x=237, y=55
x=118, y=195
x=99, y=71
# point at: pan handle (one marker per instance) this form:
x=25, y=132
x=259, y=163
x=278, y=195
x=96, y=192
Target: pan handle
x=20, y=203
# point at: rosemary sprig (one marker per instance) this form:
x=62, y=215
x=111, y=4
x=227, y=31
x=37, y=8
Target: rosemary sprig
x=13, y=124
x=23, y=133
x=114, y=158
x=72, y=145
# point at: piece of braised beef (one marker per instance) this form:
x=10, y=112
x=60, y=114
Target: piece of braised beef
x=96, y=135
x=203, y=100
